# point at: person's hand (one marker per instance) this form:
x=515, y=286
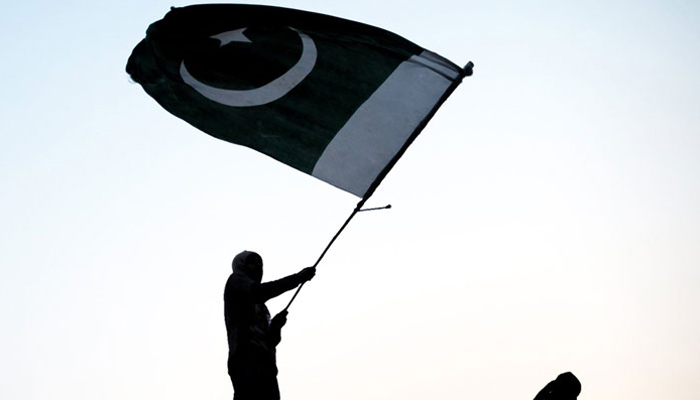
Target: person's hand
x=279, y=320
x=275, y=335
x=307, y=274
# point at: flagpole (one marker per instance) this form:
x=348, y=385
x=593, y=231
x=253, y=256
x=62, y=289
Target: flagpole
x=354, y=212
x=466, y=71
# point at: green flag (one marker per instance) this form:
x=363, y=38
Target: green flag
x=333, y=98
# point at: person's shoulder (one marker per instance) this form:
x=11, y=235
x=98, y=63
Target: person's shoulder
x=229, y=282
x=237, y=287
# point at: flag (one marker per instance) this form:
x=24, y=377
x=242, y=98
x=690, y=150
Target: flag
x=333, y=98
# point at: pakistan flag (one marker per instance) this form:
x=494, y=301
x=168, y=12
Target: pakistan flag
x=333, y=98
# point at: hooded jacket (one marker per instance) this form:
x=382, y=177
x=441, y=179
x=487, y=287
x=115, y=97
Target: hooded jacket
x=248, y=324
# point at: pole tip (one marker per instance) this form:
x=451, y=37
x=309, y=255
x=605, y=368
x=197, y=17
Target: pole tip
x=469, y=69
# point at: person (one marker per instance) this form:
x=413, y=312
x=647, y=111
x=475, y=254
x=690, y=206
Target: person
x=565, y=387
x=252, y=336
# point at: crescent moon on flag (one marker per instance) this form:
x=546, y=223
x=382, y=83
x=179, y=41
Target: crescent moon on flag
x=268, y=93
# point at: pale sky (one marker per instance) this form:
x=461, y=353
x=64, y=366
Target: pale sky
x=546, y=220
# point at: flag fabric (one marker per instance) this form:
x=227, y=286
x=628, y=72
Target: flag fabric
x=333, y=98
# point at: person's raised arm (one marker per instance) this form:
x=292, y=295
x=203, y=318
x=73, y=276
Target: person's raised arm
x=262, y=292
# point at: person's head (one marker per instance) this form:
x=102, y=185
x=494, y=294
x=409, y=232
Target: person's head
x=250, y=264
x=567, y=386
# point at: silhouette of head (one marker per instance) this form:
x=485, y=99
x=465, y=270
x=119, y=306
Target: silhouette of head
x=249, y=264
x=566, y=387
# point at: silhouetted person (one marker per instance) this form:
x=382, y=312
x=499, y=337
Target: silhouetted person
x=252, y=336
x=565, y=387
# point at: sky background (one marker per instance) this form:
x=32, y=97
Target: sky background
x=547, y=220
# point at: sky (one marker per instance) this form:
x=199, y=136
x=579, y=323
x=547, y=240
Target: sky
x=546, y=220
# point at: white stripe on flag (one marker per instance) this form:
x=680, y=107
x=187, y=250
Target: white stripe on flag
x=381, y=125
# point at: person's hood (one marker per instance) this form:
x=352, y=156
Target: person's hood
x=246, y=271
